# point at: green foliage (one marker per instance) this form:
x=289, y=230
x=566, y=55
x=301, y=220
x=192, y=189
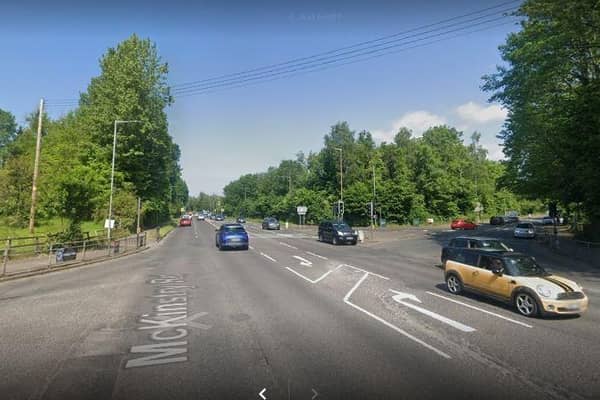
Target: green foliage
x=551, y=89
x=75, y=166
x=436, y=175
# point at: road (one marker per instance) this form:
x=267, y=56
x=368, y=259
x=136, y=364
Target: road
x=291, y=318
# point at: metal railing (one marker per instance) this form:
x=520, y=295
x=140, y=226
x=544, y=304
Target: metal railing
x=27, y=254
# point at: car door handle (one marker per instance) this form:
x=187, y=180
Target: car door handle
x=475, y=273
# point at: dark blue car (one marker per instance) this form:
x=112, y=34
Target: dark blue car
x=231, y=236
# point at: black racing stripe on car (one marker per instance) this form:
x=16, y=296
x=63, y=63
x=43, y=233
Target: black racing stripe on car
x=563, y=285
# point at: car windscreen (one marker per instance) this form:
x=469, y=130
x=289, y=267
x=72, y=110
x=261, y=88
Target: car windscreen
x=234, y=229
x=493, y=245
x=342, y=226
x=523, y=266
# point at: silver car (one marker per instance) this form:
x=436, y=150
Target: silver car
x=525, y=230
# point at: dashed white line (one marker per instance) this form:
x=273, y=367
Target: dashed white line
x=251, y=248
x=316, y=255
x=288, y=245
x=303, y=261
x=386, y=323
x=268, y=257
x=481, y=309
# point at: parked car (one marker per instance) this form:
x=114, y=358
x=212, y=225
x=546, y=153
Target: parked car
x=230, y=236
x=547, y=220
x=219, y=217
x=524, y=230
x=271, y=223
x=64, y=253
x=337, y=232
x=241, y=220
x=477, y=242
x=497, y=220
x=201, y=217
x=516, y=279
x=511, y=219
x=185, y=220
x=462, y=224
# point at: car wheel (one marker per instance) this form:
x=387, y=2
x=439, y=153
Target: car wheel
x=526, y=304
x=354, y=243
x=454, y=284
x=334, y=240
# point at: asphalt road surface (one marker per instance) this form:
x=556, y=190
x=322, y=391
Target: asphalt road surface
x=291, y=318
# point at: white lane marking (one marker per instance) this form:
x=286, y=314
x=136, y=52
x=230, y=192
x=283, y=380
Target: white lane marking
x=400, y=297
x=251, y=248
x=303, y=261
x=262, y=393
x=481, y=309
x=288, y=245
x=316, y=255
x=386, y=323
x=268, y=257
x=314, y=280
x=369, y=272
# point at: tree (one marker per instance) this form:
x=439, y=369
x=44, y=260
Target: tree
x=551, y=89
x=8, y=132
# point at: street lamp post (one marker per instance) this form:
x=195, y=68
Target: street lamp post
x=112, y=174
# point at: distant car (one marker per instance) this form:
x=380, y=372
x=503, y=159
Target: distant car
x=200, y=217
x=547, y=220
x=525, y=230
x=337, y=232
x=241, y=220
x=516, y=279
x=185, y=221
x=271, y=223
x=511, y=219
x=497, y=220
x=477, y=242
x=230, y=236
x=219, y=217
x=462, y=224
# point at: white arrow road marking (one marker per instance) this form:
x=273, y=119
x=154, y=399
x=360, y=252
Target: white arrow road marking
x=482, y=310
x=316, y=255
x=288, y=245
x=261, y=394
x=303, y=261
x=400, y=296
x=315, y=394
x=389, y=325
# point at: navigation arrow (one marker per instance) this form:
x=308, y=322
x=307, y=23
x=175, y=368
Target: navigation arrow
x=401, y=296
x=261, y=394
x=315, y=394
x=303, y=261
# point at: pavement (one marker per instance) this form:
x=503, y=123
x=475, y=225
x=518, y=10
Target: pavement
x=291, y=318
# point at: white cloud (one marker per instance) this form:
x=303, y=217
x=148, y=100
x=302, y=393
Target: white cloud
x=417, y=121
x=473, y=112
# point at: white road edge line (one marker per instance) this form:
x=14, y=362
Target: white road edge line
x=268, y=257
x=481, y=309
x=314, y=280
x=386, y=323
x=316, y=255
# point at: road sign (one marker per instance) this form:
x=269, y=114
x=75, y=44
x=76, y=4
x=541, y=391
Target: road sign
x=109, y=223
x=301, y=210
x=478, y=207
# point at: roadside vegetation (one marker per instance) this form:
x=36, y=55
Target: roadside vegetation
x=76, y=155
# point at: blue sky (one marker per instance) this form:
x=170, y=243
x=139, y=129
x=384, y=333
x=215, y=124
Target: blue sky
x=54, y=51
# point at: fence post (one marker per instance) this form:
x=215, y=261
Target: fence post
x=37, y=246
x=50, y=255
x=158, y=233
x=83, y=250
x=5, y=258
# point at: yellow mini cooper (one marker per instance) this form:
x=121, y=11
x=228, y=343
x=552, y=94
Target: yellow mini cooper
x=514, y=278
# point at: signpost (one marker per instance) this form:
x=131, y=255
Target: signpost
x=301, y=210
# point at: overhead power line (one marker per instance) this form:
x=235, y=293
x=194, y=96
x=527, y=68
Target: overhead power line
x=360, y=44
x=338, y=60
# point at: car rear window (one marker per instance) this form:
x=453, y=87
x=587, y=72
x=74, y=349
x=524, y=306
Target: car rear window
x=524, y=226
x=234, y=228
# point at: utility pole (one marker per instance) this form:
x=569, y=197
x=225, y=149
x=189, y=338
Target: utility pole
x=373, y=205
x=340, y=209
x=36, y=168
